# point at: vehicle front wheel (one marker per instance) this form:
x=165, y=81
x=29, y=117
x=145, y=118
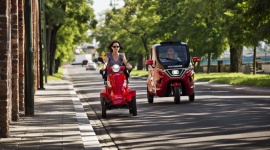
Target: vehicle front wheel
x=103, y=107
x=176, y=93
x=149, y=96
x=192, y=97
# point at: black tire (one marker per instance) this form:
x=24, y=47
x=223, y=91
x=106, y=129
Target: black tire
x=149, y=96
x=134, y=106
x=103, y=107
x=192, y=97
x=176, y=93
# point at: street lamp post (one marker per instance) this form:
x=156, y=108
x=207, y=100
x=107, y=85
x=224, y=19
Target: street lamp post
x=29, y=96
x=45, y=42
x=40, y=49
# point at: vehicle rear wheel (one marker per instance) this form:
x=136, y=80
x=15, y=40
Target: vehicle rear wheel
x=192, y=97
x=149, y=96
x=103, y=107
x=176, y=93
x=130, y=110
x=134, y=106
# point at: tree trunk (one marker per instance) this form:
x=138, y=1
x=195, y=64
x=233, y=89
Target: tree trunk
x=140, y=62
x=144, y=40
x=198, y=67
x=53, y=45
x=49, y=31
x=236, y=58
x=209, y=62
x=254, y=60
x=57, y=65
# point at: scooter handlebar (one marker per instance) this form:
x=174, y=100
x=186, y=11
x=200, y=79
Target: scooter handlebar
x=101, y=72
x=129, y=70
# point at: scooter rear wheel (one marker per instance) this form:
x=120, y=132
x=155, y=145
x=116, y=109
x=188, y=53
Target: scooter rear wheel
x=149, y=96
x=134, y=106
x=176, y=93
x=103, y=107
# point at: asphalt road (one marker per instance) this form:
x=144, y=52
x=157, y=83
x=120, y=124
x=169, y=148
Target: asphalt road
x=215, y=120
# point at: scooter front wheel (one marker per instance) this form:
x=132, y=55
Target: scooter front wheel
x=176, y=93
x=103, y=107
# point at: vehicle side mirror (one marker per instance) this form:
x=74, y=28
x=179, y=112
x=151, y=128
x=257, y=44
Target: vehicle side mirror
x=100, y=59
x=149, y=62
x=196, y=59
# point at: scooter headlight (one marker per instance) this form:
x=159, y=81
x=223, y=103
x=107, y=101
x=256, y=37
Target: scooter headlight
x=116, y=68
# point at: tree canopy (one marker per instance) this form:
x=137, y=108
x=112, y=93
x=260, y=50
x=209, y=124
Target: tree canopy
x=209, y=27
x=67, y=23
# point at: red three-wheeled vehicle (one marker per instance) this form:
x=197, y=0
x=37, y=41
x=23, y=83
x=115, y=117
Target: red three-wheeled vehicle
x=170, y=71
x=117, y=94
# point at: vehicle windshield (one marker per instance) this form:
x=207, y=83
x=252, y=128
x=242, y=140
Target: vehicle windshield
x=172, y=55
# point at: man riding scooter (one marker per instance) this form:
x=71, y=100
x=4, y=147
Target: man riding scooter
x=116, y=93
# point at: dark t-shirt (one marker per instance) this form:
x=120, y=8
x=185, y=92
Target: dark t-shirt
x=111, y=61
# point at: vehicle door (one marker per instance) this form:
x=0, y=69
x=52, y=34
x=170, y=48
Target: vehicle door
x=151, y=71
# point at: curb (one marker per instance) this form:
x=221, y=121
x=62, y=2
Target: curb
x=88, y=135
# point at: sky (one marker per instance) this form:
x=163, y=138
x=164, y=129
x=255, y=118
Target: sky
x=101, y=5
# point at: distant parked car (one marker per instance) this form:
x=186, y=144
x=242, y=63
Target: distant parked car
x=84, y=62
x=249, y=54
x=91, y=66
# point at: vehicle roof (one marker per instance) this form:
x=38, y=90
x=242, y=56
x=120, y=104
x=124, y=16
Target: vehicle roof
x=170, y=43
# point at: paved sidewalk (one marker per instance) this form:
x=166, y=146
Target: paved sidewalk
x=59, y=122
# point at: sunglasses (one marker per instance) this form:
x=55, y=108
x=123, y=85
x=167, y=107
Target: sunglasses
x=115, y=46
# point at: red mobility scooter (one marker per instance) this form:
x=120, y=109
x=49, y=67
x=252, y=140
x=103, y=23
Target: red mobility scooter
x=170, y=71
x=116, y=93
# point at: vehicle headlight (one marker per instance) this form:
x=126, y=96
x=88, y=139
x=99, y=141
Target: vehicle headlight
x=175, y=72
x=116, y=68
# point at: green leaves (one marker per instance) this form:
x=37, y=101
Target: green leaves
x=208, y=26
x=71, y=19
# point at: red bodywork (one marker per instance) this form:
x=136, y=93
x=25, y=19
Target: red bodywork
x=117, y=94
x=162, y=81
x=164, y=77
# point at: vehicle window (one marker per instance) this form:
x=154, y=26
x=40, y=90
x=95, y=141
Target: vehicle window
x=172, y=53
